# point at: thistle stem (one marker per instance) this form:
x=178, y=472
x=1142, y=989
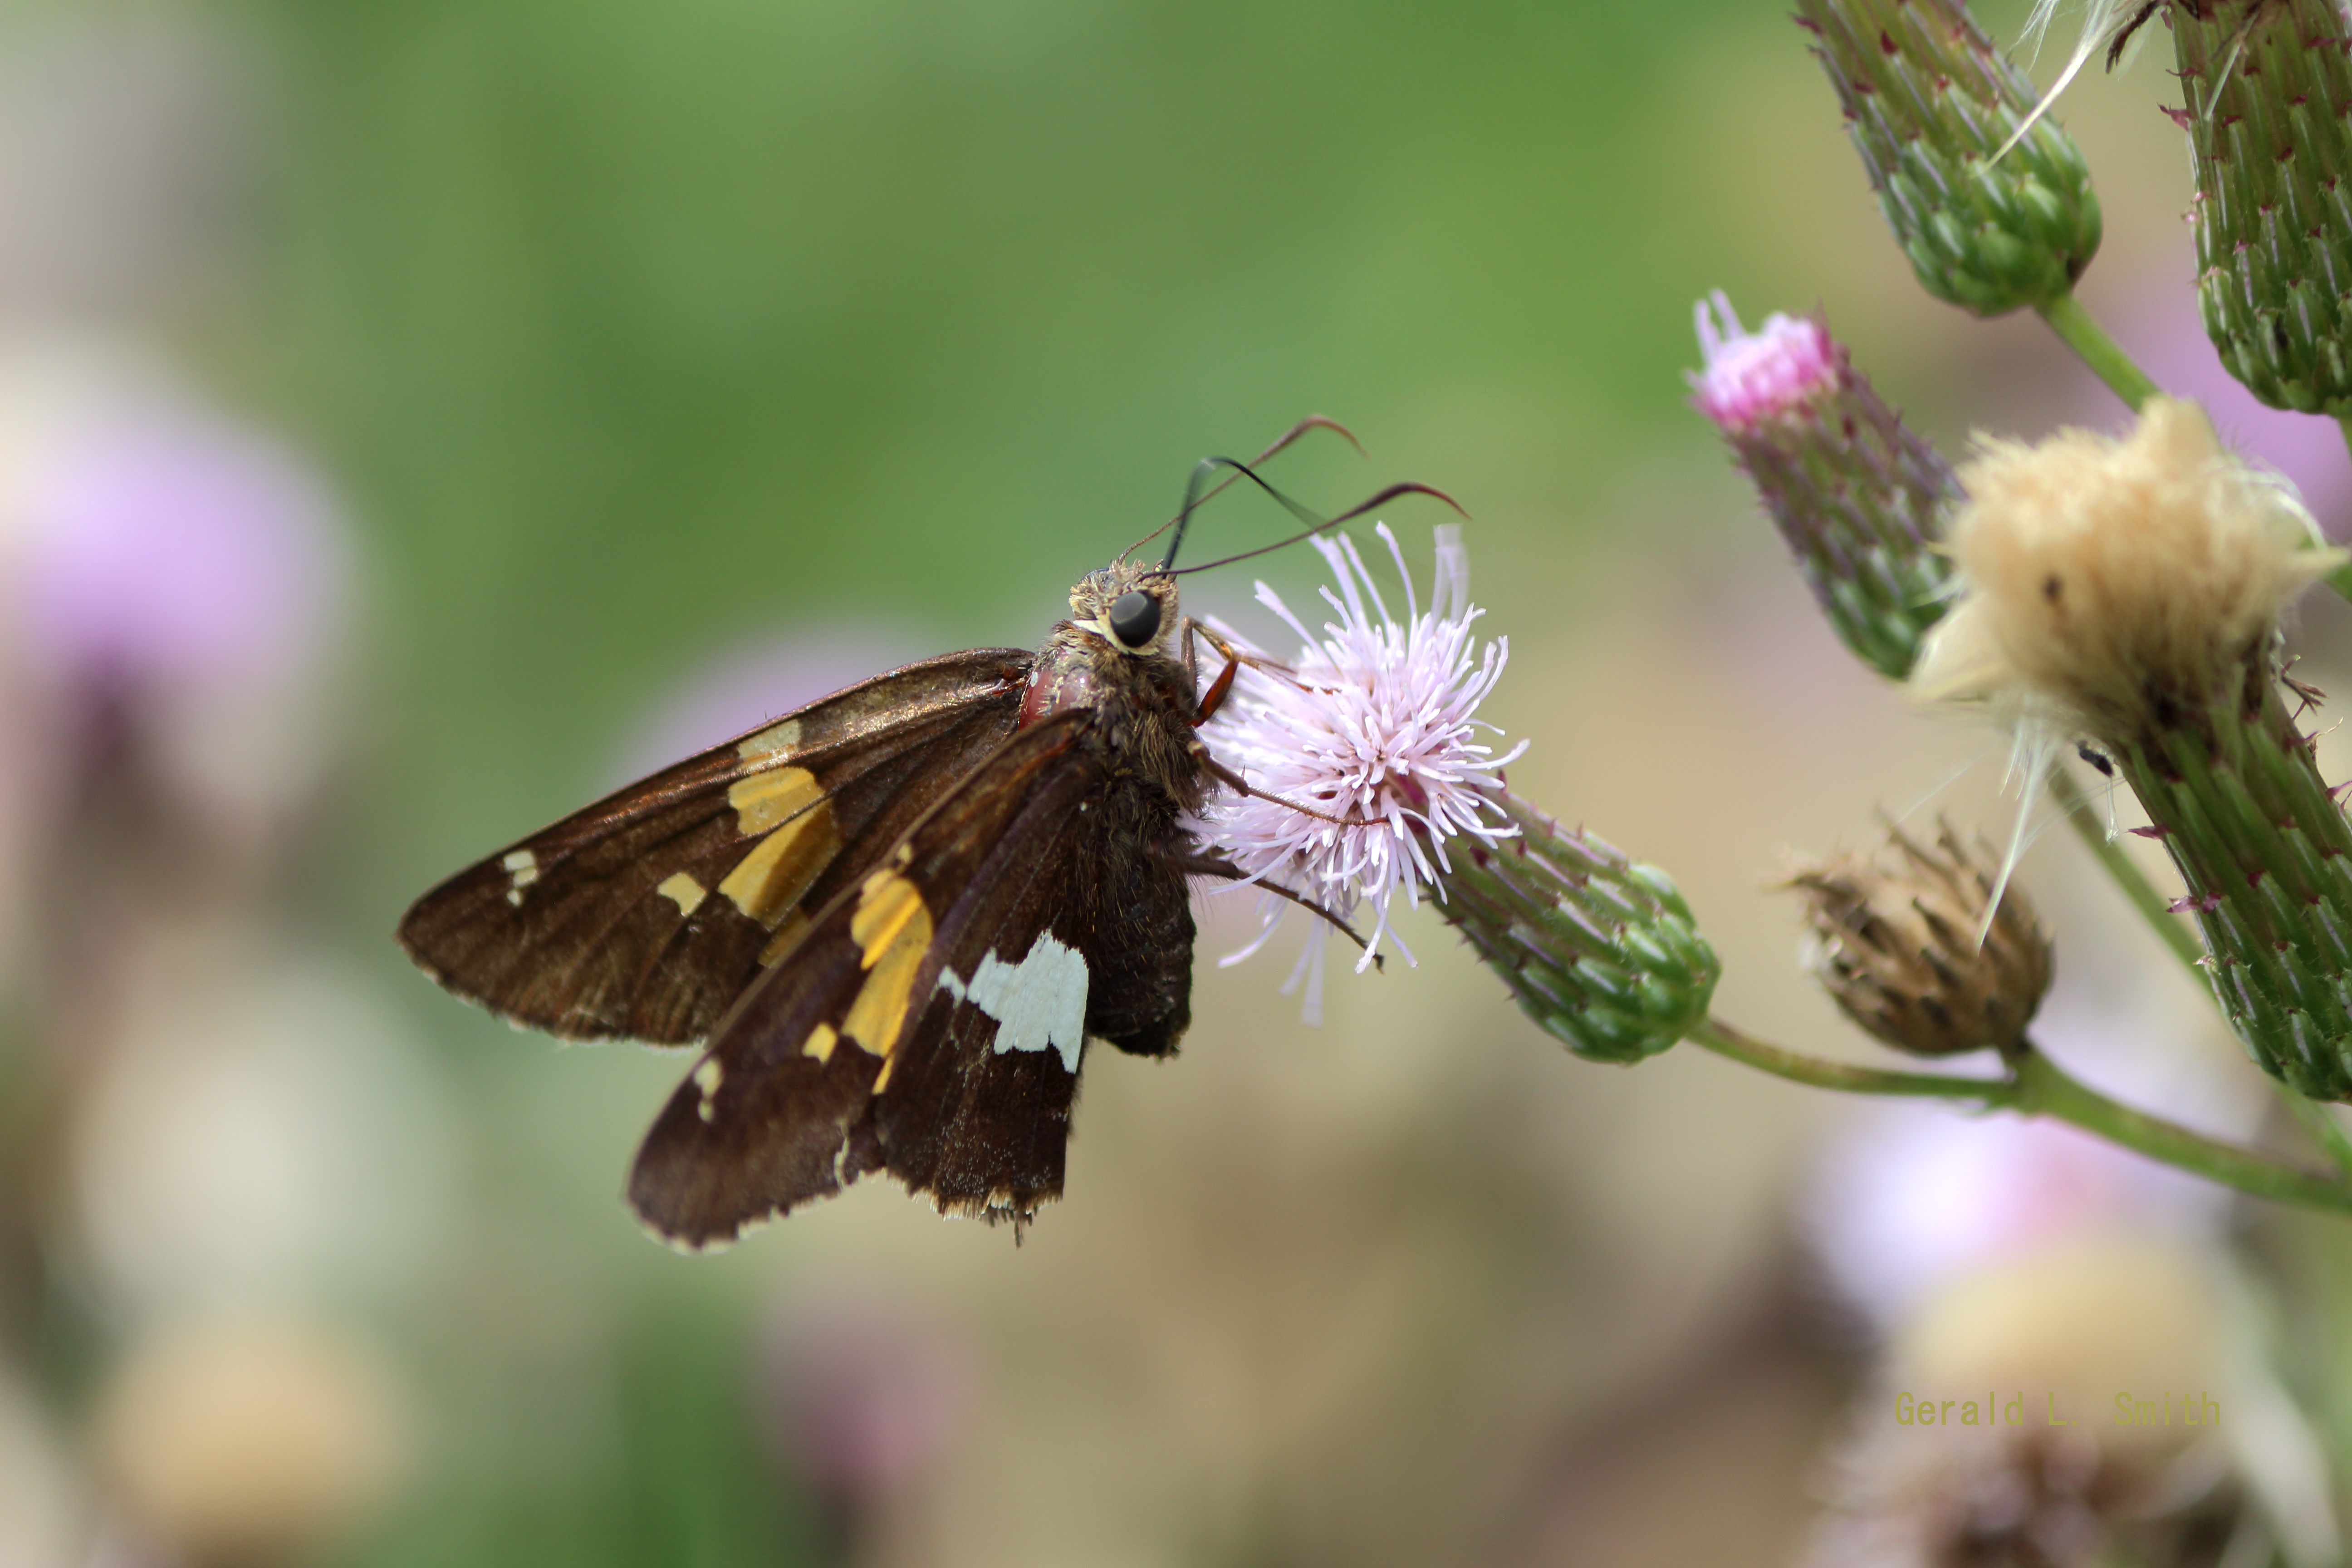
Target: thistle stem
x=2341, y=581
x=2324, y=1130
x=1724, y=1040
x=2153, y=906
x=2076, y=327
x=2036, y=1086
x=2045, y=1089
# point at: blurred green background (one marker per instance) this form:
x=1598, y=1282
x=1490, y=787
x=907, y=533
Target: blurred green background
x=632, y=337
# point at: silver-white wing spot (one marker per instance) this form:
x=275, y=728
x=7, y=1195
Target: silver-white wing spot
x=1039, y=1003
x=707, y=1078
x=951, y=982
x=522, y=869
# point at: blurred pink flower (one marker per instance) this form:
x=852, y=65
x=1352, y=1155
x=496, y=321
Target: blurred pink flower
x=761, y=680
x=863, y=1391
x=166, y=544
x=172, y=588
x=1913, y=1196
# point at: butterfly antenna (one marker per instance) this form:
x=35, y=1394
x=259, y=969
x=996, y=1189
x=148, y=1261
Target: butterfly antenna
x=1315, y=524
x=1312, y=422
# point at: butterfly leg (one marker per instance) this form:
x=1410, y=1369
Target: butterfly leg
x=1210, y=703
x=1213, y=865
x=1235, y=659
x=1215, y=697
x=1240, y=786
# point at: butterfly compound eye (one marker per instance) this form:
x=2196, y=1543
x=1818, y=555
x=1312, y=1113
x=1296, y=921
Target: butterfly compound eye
x=1134, y=618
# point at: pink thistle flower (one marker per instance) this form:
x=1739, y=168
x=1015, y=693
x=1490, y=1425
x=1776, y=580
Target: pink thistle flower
x=1856, y=497
x=1750, y=377
x=1376, y=722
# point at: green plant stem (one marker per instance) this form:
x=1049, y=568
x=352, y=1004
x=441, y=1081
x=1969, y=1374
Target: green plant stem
x=2045, y=1089
x=1724, y=1040
x=2036, y=1086
x=2106, y=359
x=2324, y=1130
x=2153, y=906
x=2341, y=580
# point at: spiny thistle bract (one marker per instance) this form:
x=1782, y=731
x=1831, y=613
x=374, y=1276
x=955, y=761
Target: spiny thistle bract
x=2269, y=117
x=1856, y=496
x=1929, y=102
x=1598, y=949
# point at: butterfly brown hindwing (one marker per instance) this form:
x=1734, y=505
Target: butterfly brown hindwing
x=645, y=915
x=932, y=1022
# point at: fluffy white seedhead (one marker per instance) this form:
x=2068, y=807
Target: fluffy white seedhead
x=1375, y=722
x=2113, y=585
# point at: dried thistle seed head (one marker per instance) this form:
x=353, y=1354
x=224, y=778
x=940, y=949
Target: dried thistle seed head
x=1900, y=951
x=2115, y=585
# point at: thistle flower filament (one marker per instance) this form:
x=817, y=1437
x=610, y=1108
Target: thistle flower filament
x=1376, y=722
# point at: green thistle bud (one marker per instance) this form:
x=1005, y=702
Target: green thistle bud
x=2269, y=85
x=2130, y=590
x=1928, y=101
x=1600, y=950
x=1855, y=495
x=1910, y=956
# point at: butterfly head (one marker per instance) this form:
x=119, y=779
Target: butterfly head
x=1132, y=608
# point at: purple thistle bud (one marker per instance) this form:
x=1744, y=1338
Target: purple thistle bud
x=863, y=1393
x=1856, y=496
x=1773, y=372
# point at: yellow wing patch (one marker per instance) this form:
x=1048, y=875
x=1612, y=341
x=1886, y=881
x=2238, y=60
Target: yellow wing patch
x=892, y=930
x=772, y=798
x=684, y=892
x=770, y=879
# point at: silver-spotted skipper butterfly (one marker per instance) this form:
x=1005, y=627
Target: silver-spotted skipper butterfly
x=898, y=916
